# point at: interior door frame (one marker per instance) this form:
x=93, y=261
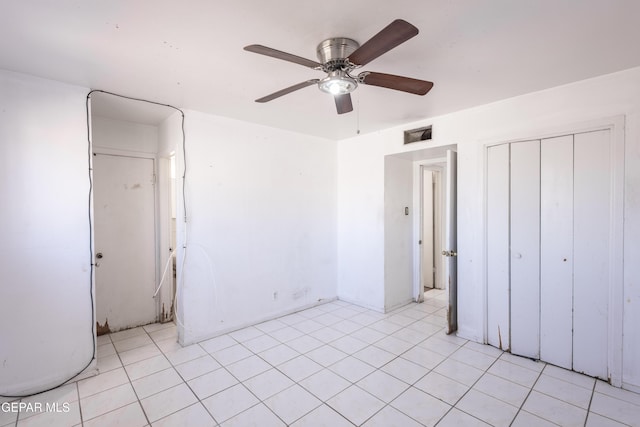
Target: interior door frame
x=615, y=125
x=437, y=164
x=139, y=155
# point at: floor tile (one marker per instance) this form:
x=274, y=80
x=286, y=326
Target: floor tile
x=375, y=356
x=304, y=344
x=554, y=410
x=322, y=416
x=270, y=326
x=382, y=385
x=155, y=383
x=61, y=417
x=268, y=383
x=308, y=326
x=481, y=348
x=423, y=357
x=440, y=346
x=246, y=334
x=569, y=376
x=231, y=354
x=185, y=354
x=526, y=419
x=511, y=393
x=103, y=339
x=346, y=326
x=368, y=335
x=595, y=420
x=352, y=369
x=349, y=344
x=279, y=354
x=456, y=417
x=108, y=363
x=411, y=336
x=420, y=406
x=167, y=402
x=130, y=415
x=218, y=343
x=401, y=319
x=355, y=404
x=391, y=417
x=133, y=342
x=618, y=410
x=194, y=415
x=247, y=368
x=106, y=401
x=473, y=358
x=157, y=326
x=487, y=408
x=261, y=343
x=534, y=365
x=140, y=353
x=164, y=334
x=325, y=384
x=405, y=370
x=459, y=372
x=518, y=374
x=292, y=319
x=196, y=367
x=393, y=345
x=385, y=326
x=256, y=416
x=212, y=383
x=286, y=334
x=618, y=393
x=327, y=319
x=441, y=387
x=299, y=368
x=102, y=382
x=230, y=402
x=563, y=390
x=327, y=335
x=147, y=367
x=326, y=355
x=292, y=403
x=126, y=334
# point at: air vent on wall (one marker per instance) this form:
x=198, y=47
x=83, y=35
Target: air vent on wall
x=417, y=135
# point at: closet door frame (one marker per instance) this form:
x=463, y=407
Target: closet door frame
x=616, y=126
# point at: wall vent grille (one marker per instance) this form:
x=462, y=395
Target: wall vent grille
x=417, y=135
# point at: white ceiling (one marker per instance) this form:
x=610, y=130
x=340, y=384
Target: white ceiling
x=189, y=53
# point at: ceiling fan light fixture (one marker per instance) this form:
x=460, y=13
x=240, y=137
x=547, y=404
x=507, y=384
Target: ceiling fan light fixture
x=338, y=83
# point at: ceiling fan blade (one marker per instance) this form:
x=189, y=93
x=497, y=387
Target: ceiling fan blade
x=343, y=103
x=287, y=90
x=390, y=81
x=398, y=32
x=263, y=50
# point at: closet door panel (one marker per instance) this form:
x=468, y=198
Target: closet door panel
x=498, y=246
x=592, y=220
x=556, y=250
x=525, y=249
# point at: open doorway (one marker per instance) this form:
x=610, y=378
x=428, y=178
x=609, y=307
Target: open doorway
x=435, y=253
x=134, y=209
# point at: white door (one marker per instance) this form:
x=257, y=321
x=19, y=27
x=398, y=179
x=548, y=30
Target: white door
x=450, y=250
x=124, y=212
x=428, y=230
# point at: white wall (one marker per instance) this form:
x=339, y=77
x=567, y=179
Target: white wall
x=46, y=323
x=261, y=221
x=124, y=136
x=398, y=229
x=517, y=118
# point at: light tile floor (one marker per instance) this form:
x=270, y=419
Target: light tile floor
x=334, y=365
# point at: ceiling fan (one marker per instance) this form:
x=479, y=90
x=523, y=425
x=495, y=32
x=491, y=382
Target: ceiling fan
x=340, y=56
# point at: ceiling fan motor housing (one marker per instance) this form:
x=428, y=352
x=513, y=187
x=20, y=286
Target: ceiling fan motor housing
x=337, y=48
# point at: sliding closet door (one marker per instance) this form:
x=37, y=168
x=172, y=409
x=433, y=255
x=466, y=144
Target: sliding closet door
x=525, y=249
x=556, y=250
x=592, y=219
x=498, y=246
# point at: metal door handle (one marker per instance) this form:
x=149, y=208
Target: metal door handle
x=449, y=253
x=99, y=255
